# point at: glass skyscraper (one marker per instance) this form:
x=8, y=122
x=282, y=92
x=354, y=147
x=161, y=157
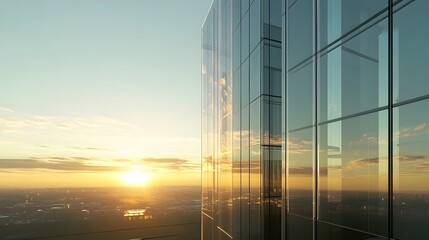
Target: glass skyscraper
x=315, y=119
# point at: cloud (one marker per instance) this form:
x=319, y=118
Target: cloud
x=172, y=164
x=73, y=164
x=91, y=148
x=3, y=109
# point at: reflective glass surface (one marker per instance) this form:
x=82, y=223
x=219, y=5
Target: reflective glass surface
x=337, y=18
x=353, y=76
x=353, y=173
x=410, y=51
x=255, y=24
x=255, y=74
x=411, y=168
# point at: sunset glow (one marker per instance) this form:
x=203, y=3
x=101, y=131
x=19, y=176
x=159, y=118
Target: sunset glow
x=135, y=178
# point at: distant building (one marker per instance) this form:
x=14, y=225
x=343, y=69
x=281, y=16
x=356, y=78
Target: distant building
x=315, y=120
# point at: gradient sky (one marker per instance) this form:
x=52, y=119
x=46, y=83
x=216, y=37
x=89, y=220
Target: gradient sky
x=99, y=86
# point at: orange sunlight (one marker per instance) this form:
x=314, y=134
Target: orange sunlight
x=135, y=178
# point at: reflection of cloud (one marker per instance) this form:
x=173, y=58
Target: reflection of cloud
x=411, y=130
x=175, y=164
x=363, y=163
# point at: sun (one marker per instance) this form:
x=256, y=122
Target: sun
x=135, y=178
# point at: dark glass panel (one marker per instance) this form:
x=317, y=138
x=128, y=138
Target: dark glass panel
x=208, y=227
x=255, y=122
x=353, y=76
x=410, y=40
x=411, y=171
x=244, y=6
x=236, y=13
x=236, y=49
x=299, y=31
x=353, y=173
x=300, y=160
x=299, y=228
x=255, y=74
x=339, y=17
x=272, y=73
x=245, y=83
x=275, y=27
x=245, y=37
x=271, y=121
x=331, y=232
x=255, y=24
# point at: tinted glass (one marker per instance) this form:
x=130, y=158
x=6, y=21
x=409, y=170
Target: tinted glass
x=245, y=83
x=411, y=167
x=255, y=24
x=255, y=74
x=299, y=31
x=353, y=173
x=245, y=37
x=353, y=76
x=411, y=51
x=339, y=17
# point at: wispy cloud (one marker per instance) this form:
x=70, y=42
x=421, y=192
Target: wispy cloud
x=171, y=164
x=56, y=164
x=3, y=109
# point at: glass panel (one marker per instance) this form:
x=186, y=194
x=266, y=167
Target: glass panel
x=244, y=6
x=299, y=228
x=255, y=74
x=245, y=37
x=245, y=83
x=255, y=122
x=411, y=171
x=275, y=70
x=271, y=121
x=255, y=24
x=236, y=90
x=236, y=176
x=353, y=76
x=236, y=49
x=300, y=160
x=353, y=173
x=410, y=51
x=299, y=31
x=339, y=17
x=236, y=13
x=245, y=180
x=331, y=232
x=255, y=191
x=300, y=97
x=275, y=20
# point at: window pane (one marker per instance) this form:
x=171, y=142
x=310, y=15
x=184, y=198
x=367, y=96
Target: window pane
x=353, y=173
x=236, y=57
x=411, y=51
x=353, y=76
x=255, y=191
x=299, y=32
x=255, y=74
x=245, y=83
x=245, y=37
x=255, y=123
x=300, y=100
x=255, y=24
x=245, y=172
x=338, y=17
x=411, y=168
x=300, y=157
x=236, y=89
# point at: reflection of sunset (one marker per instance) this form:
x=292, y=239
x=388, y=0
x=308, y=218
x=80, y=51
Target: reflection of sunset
x=135, y=178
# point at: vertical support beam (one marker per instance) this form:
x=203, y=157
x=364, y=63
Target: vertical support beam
x=390, y=116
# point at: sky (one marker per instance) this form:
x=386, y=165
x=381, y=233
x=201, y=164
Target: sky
x=91, y=89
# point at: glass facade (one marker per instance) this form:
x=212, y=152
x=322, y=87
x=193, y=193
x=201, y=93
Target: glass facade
x=315, y=120
x=354, y=120
x=241, y=125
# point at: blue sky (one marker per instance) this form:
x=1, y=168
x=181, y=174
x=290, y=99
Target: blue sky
x=96, y=65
